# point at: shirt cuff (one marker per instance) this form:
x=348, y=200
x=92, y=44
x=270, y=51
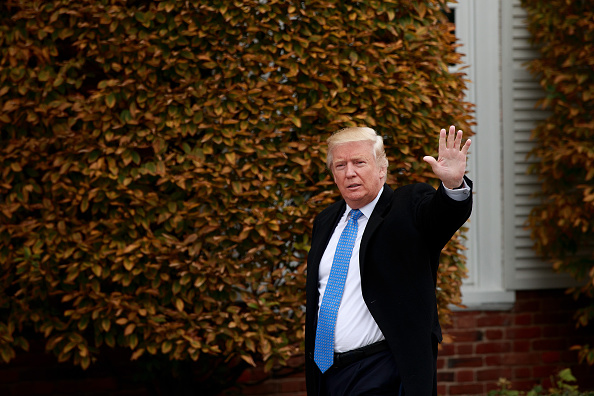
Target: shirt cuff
x=458, y=194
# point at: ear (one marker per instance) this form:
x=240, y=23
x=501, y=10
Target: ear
x=333, y=176
x=383, y=172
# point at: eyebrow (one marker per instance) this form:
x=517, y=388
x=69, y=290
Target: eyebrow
x=357, y=158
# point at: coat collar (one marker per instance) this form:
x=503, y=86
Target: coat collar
x=377, y=217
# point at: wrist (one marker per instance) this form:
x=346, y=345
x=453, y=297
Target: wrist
x=455, y=186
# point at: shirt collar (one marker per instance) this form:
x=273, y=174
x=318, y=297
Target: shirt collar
x=368, y=209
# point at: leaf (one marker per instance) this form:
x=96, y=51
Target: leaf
x=231, y=158
x=106, y=324
x=249, y=360
x=179, y=304
x=84, y=205
x=166, y=347
x=129, y=329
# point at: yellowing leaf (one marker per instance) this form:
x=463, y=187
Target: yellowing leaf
x=249, y=360
x=110, y=100
x=179, y=304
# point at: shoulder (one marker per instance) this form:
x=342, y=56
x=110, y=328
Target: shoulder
x=413, y=191
x=331, y=211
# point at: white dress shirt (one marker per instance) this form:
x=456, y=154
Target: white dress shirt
x=355, y=327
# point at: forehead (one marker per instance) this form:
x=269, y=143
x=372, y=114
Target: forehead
x=348, y=150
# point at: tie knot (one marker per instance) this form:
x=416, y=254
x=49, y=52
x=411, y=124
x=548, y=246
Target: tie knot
x=355, y=214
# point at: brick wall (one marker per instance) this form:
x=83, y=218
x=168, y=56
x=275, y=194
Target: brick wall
x=526, y=345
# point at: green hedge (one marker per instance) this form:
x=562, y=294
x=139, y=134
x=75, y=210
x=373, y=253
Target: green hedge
x=162, y=162
x=563, y=225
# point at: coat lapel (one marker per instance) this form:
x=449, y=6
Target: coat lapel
x=377, y=217
x=326, y=228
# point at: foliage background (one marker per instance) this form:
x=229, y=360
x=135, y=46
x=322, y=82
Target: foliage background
x=563, y=225
x=162, y=162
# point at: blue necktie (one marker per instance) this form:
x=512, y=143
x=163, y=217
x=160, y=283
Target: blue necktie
x=324, y=349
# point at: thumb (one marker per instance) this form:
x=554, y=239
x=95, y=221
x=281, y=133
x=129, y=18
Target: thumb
x=430, y=160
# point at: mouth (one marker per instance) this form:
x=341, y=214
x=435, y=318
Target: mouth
x=353, y=186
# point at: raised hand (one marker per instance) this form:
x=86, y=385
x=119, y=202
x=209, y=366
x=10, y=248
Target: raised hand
x=450, y=164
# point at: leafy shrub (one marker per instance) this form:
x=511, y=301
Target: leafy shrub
x=563, y=225
x=162, y=162
x=561, y=387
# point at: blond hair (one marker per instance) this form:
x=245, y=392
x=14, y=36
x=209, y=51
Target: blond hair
x=358, y=134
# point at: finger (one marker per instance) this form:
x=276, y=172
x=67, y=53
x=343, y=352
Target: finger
x=442, y=141
x=458, y=140
x=451, y=135
x=466, y=147
x=429, y=159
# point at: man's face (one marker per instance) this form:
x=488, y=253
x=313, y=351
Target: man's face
x=356, y=173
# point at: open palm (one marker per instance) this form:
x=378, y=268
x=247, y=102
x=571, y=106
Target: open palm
x=450, y=164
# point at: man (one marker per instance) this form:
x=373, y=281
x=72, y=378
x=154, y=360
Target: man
x=371, y=321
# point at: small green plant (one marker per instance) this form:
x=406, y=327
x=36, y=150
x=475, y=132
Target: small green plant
x=504, y=389
x=561, y=387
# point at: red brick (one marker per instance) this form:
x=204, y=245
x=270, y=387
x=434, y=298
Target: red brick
x=33, y=388
x=523, y=319
x=521, y=359
x=493, y=360
x=447, y=349
x=466, y=336
x=493, y=334
x=521, y=346
x=292, y=385
x=548, y=344
x=522, y=372
x=551, y=357
x=542, y=318
x=556, y=304
x=493, y=320
x=553, y=331
x=440, y=363
x=445, y=376
x=8, y=375
x=264, y=388
x=80, y=387
x=466, y=322
x=491, y=386
x=465, y=362
x=441, y=389
x=493, y=347
x=465, y=376
x=527, y=306
x=467, y=389
x=493, y=374
x=585, y=375
x=569, y=356
x=544, y=371
x=525, y=295
x=465, y=349
x=523, y=333
x=522, y=385
x=253, y=374
x=296, y=361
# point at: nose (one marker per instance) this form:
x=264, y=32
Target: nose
x=350, y=170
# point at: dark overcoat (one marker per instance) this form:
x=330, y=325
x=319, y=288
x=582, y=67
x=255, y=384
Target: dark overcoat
x=398, y=257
